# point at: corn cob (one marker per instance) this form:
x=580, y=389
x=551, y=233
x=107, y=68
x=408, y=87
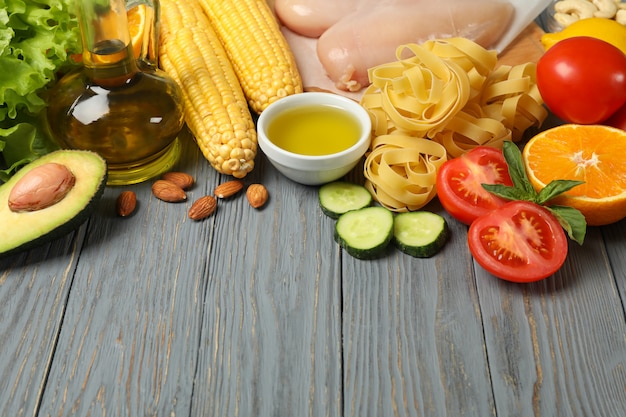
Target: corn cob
x=257, y=49
x=216, y=111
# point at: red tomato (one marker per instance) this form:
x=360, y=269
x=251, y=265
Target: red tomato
x=520, y=242
x=459, y=183
x=618, y=119
x=582, y=79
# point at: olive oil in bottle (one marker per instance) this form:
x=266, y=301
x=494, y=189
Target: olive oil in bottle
x=130, y=114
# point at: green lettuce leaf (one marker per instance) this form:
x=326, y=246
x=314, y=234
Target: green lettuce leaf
x=36, y=40
x=22, y=143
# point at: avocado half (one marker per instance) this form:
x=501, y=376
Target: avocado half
x=20, y=231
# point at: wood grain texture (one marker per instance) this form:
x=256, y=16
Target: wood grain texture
x=258, y=312
x=271, y=341
x=34, y=288
x=128, y=344
x=413, y=339
x=526, y=47
x=557, y=347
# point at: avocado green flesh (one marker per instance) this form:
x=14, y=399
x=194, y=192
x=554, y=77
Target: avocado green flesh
x=23, y=230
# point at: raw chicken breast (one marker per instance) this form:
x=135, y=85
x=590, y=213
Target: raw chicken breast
x=312, y=17
x=370, y=37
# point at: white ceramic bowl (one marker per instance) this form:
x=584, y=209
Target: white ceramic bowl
x=307, y=169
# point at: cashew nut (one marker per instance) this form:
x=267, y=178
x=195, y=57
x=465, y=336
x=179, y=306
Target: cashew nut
x=565, y=19
x=582, y=9
x=606, y=8
x=620, y=16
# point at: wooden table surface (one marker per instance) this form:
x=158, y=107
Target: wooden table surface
x=259, y=313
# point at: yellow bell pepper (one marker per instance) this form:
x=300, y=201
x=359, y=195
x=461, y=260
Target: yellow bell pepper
x=597, y=27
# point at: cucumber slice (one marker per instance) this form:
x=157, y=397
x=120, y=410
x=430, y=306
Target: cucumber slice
x=365, y=233
x=420, y=233
x=337, y=198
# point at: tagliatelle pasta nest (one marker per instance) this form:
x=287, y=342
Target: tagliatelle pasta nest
x=404, y=170
x=439, y=100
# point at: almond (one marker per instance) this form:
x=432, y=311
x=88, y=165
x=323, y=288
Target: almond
x=182, y=179
x=41, y=187
x=257, y=195
x=168, y=191
x=228, y=188
x=202, y=208
x=126, y=203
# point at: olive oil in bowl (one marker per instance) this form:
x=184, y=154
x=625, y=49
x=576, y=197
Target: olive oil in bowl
x=314, y=130
x=315, y=137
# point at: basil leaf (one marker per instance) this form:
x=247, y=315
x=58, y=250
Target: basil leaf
x=572, y=221
x=507, y=192
x=517, y=172
x=554, y=188
x=569, y=218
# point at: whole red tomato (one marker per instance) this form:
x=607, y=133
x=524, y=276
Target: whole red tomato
x=582, y=79
x=520, y=242
x=460, y=180
x=618, y=119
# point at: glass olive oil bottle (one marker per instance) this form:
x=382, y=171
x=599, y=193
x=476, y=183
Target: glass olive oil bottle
x=130, y=114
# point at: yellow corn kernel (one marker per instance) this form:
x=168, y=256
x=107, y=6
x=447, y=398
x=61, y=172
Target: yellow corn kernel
x=257, y=49
x=216, y=111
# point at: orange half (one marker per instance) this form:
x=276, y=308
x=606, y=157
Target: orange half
x=138, y=27
x=594, y=154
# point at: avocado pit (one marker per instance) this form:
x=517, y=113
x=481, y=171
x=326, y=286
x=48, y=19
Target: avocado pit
x=41, y=188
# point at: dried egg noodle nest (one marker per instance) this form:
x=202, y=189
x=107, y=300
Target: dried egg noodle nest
x=446, y=98
x=402, y=170
x=512, y=96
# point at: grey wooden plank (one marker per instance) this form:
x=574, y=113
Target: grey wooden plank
x=34, y=287
x=558, y=347
x=271, y=335
x=128, y=344
x=615, y=241
x=413, y=337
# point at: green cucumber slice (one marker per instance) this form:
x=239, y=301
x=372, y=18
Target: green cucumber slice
x=420, y=233
x=365, y=233
x=337, y=198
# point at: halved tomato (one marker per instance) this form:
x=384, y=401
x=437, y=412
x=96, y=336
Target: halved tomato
x=459, y=183
x=520, y=242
